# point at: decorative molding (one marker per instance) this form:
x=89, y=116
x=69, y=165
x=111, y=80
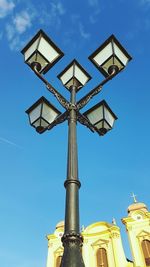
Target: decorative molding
x=59, y=97
x=114, y=235
x=72, y=239
x=100, y=243
x=143, y=235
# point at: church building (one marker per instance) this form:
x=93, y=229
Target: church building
x=102, y=244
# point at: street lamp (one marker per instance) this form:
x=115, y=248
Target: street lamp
x=110, y=59
x=110, y=55
x=42, y=51
x=42, y=114
x=74, y=74
x=102, y=117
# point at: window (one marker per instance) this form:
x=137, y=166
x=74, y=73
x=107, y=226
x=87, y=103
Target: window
x=101, y=258
x=146, y=251
x=58, y=261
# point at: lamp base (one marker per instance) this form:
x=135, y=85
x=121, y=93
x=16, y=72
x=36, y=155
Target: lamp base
x=103, y=131
x=72, y=256
x=40, y=129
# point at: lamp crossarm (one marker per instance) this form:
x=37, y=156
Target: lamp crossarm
x=84, y=100
x=85, y=121
x=62, y=100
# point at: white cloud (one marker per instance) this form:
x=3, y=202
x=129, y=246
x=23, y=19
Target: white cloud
x=75, y=18
x=94, y=17
x=4, y=140
x=19, y=24
x=22, y=21
x=93, y=3
x=77, y=28
x=10, y=31
x=82, y=31
x=53, y=15
x=59, y=8
x=16, y=43
x=95, y=10
x=6, y=7
x=145, y=2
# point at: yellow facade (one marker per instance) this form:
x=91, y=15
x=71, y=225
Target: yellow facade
x=138, y=229
x=102, y=244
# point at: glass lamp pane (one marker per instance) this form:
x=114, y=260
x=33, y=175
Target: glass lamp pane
x=103, y=55
x=40, y=122
x=122, y=57
x=109, y=117
x=100, y=124
x=47, y=50
x=38, y=58
x=80, y=75
x=110, y=62
x=31, y=49
x=67, y=75
x=103, y=127
x=35, y=113
x=107, y=126
x=95, y=115
x=48, y=113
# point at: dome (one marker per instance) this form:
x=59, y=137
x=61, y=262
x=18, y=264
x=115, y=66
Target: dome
x=137, y=206
x=60, y=225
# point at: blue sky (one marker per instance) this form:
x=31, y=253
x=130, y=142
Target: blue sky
x=33, y=167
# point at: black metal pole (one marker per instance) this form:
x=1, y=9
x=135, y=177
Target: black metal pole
x=72, y=240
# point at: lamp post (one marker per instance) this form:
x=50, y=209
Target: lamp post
x=40, y=54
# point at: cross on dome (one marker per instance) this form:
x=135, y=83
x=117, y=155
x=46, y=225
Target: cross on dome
x=134, y=198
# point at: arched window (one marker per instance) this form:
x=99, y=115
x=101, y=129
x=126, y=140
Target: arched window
x=101, y=258
x=58, y=261
x=146, y=251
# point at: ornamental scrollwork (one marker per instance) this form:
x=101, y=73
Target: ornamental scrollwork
x=88, y=97
x=59, y=97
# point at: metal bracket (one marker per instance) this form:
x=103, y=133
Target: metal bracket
x=85, y=121
x=72, y=106
x=83, y=101
x=59, y=97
